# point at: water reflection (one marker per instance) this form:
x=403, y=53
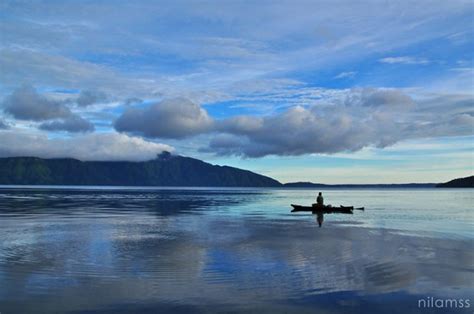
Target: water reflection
x=320, y=218
x=18, y=203
x=182, y=251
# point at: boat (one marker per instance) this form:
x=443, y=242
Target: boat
x=327, y=209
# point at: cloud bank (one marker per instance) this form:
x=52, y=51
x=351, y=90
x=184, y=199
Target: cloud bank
x=368, y=117
x=344, y=123
x=96, y=146
x=25, y=103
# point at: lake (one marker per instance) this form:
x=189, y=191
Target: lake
x=118, y=250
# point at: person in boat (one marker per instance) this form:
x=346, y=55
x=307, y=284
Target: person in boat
x=320, y=200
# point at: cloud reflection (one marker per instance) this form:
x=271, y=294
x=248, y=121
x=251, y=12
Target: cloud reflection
x=172, y=252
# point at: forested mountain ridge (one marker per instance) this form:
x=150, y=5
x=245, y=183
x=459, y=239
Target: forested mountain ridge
x=166, y=170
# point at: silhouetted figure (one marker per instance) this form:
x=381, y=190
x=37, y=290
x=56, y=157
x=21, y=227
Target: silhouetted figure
x=320, y=200
x=320, y=218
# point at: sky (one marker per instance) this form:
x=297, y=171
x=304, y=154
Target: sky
x=321, y=91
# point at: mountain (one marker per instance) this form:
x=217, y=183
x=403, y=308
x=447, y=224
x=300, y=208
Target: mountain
x=165, y=170
x=467, y=182
x=358, y=186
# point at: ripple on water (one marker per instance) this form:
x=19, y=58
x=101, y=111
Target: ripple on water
x=216, y=248
x=388, y=276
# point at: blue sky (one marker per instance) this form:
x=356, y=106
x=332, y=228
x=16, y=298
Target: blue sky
x=322, y=91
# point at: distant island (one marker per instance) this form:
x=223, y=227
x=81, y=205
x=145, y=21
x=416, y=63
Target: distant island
x=165, y=170
x=384, y=186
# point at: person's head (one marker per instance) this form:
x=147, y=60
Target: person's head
x=320, y=193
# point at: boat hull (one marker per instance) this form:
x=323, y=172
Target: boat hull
x=323, y=209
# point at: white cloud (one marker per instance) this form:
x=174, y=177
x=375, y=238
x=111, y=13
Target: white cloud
x=219, y=45
x=404, y=60
x=26, y=104
x=98, y=146
x=171, y=118
x=346, y=75
x=30, y=67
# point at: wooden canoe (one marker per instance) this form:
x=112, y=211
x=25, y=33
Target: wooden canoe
x=323, y=209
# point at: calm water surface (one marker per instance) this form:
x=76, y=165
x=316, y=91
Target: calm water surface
x=119, y=250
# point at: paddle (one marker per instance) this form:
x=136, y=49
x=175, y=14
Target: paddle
x=358, y=208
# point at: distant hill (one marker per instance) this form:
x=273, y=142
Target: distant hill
x=303, y=185
x=383, y=186
x=467, y=182
x=166, y=170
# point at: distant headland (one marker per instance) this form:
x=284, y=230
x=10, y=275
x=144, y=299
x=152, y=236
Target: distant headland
x=467, y=182
x=165, y=170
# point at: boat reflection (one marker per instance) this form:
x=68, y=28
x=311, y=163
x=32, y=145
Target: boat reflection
x=320, y=218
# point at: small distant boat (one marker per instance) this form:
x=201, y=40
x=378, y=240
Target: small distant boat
x=327, y=209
